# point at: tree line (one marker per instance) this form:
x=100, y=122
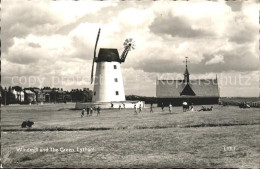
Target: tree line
x=19, y=95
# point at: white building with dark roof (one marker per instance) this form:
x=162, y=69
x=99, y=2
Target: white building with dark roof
x=18, y=93
x=198, y=92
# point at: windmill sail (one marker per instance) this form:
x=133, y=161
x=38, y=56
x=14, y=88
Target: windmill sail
x=92, y=70
x=129, y=44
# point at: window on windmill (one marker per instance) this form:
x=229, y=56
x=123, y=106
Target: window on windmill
x=116, y=80
x=115, y=67
x=117, y=93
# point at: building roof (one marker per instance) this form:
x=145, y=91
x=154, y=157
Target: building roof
x=36, y=90
x=175, y=88
x=17, y=88
x=47, y=90
x=28, y=91
x=108, y=55
x=188, y=91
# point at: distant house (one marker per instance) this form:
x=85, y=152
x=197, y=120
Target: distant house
x=67, y=97
x=59, y=95
x=18, y=93
x=47, y=94
x=30, y=96
x=39, y=94
x=55, y=95
x=199, y=91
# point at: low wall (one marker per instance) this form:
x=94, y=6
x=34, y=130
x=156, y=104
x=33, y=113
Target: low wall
x=107, y=105
x=195, y=101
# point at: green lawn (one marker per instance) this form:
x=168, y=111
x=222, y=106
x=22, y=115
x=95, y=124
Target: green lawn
x=159, y=139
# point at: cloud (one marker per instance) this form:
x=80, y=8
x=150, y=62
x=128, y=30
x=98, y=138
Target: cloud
x=34, y=49
x=25, y=17
x=176, y=26
x=34, y=45
x=235, y=5
x=105, y=13
x=243, y=30
x=216, y=59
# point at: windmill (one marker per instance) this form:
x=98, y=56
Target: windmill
x=108, y=84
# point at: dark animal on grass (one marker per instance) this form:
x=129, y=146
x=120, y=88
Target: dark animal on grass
x=27, y=123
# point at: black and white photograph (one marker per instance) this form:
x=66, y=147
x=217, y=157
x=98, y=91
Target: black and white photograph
x=130, y=84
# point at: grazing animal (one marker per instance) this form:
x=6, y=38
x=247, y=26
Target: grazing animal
x=27, y=123
x=24, y=124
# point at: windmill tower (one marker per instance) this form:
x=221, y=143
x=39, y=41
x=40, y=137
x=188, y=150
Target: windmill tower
x=108, y=86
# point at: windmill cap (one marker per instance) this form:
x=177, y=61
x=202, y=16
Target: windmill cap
x=108, y=55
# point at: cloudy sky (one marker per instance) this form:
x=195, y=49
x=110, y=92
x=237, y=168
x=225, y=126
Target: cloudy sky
x=51, y=43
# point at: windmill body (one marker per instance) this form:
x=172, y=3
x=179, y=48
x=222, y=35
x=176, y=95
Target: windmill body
x=108, y=89
x=108, y=86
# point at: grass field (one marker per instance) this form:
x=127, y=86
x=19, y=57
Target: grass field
x=225, y=137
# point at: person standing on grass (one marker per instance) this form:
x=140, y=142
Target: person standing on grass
x=151, y=108
x=135, y=109
x=87, y=111
x=124, y=105
x=82, y=113
x=91, y=111
x=140, y=108
x=98, y=111
x=94, y=110
x=162, y=106
x=170, y=107
x=119, y=107
x=192, y=108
